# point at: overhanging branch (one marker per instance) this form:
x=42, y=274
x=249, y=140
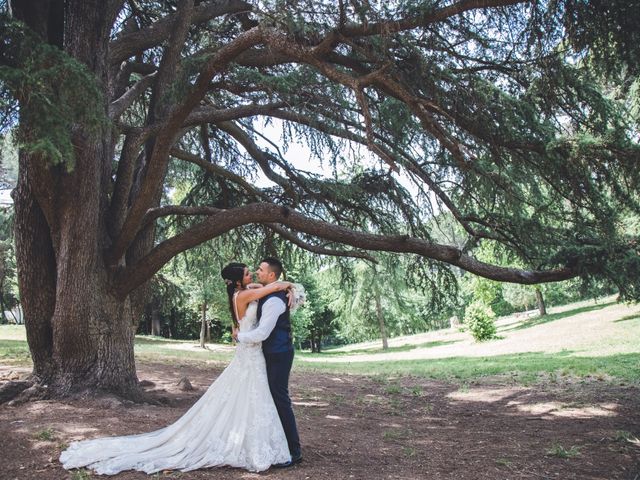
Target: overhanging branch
x=167, y=210
x=130, y=44
x=217, y=170
x=390, y=27
x=167, y=137
x=293, y=238
x=265, y=213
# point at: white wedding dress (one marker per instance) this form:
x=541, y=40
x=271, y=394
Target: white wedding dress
x=234, y=423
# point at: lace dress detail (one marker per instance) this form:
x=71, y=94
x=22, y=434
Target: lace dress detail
x=234, y=423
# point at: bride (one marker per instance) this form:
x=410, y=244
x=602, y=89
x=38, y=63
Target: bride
x=234, y=423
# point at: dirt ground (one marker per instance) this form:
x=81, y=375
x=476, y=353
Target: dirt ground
x=356, y=427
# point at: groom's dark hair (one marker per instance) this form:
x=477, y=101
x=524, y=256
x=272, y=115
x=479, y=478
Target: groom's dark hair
x=275, y=265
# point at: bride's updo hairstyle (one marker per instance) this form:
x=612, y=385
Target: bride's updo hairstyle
x=232, y=274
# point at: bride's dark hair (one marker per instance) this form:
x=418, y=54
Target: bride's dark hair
x=232, y=274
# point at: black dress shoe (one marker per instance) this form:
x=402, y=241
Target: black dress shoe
x=290, y=463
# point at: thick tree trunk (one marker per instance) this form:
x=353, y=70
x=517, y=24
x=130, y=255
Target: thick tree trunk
x=383, y=328
x=540, y=301
x=99, y=352
x=80, y=334
x=203, y=325
x=92, y=329
x=315, y=343
x=156, y=328
x=36, y=265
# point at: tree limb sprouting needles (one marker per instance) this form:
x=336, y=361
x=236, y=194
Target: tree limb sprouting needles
x=489, y=113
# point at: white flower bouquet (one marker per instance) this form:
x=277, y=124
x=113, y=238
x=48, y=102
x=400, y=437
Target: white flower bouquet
x=298, y=296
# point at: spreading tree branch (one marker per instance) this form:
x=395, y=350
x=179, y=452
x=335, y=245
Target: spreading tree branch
x=293, y=238
x=390, y=27
x=166, y=138
x=130, y=44
x=217, y=170
x=117, y=107
x=218, y=224
x=168, y=210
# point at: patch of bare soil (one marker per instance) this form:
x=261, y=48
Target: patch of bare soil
x=355, y=427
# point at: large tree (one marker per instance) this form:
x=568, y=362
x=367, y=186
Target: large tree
x=475, y=103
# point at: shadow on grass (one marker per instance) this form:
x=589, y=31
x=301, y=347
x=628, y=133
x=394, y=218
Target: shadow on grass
x=521, y=368
x=552, y=317
x=402, y=348
x=633, y=316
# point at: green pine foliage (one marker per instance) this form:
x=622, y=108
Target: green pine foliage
x=608, y=31
x=480, y=321
x=56, y=92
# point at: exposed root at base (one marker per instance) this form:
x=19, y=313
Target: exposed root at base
x=19, y=392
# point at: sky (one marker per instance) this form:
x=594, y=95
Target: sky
x=299, y=156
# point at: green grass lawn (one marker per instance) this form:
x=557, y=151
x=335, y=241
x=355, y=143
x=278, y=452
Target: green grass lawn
x=586, y=341
x=13, y=352
x=519, y=368
x=160, y=349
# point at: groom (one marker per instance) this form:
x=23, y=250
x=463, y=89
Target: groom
x=274, y=331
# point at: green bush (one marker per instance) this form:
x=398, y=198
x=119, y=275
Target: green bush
x=479, y=319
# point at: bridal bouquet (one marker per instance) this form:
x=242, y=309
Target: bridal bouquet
x=299, y=296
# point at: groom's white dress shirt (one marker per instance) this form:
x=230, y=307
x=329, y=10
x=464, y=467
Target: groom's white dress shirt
x=271, y=310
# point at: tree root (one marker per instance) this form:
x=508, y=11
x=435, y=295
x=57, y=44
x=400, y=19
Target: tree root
x=10, y=390
x=19, y=392
x=16, y=393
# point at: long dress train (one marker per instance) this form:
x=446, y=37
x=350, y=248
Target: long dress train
x=234, y=423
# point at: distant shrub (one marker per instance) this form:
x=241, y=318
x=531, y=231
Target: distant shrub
x=479, y=320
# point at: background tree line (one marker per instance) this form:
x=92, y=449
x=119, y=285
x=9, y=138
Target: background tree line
x=349, y=299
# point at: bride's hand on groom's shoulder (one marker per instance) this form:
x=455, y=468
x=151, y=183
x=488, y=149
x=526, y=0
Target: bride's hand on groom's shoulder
x=290, y=297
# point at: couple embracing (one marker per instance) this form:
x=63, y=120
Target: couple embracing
x=245, y=418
